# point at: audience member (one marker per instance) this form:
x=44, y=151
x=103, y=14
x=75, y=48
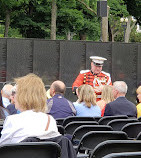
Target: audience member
x=77, y=93
x=138, y=91
x=139, y=84
x=48, y=94
x=5, y=100
x=58, y=105
x=121, y=106
x=5, y=93
x=87, y=103
x=33, y=121
x=11, y=107
x=106, y=97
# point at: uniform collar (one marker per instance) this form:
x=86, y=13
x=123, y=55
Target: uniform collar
x=94, y=73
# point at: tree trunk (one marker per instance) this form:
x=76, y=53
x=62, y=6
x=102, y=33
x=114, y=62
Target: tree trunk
x=53, y=20
x=109, y=32
x=68, y=35
x=82, y=36
x=128, y=30
x=7, y=23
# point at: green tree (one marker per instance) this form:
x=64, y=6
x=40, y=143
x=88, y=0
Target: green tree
x=134, y=8
x=33, y=19
x=117, y=10
x=7, y=9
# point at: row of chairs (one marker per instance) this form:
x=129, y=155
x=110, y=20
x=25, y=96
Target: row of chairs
x=31, y=150
x=100, y=120
x=106, y=149
x=77, y=128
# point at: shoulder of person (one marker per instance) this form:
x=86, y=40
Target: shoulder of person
x=105, y=73
x=84, y=71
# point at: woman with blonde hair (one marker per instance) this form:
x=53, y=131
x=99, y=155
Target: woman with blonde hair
x=30, y=100
x=106, y=97
x=87, y=102
x=138, y=91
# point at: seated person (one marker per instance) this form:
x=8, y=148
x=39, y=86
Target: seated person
x=120, y=106
x=11, y=107
x=87, y=103
x=139, y=99
x=58, y=105
x=5, y=93
x=106, y=97
x=30, y=100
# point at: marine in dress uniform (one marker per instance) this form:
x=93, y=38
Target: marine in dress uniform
x=94, y=77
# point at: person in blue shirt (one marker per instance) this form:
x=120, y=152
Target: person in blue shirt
x=58, y=106
x=86, y=106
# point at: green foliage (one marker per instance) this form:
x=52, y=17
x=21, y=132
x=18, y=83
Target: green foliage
x=134, y=8
x=32, y=18
x=135, y=37
x=12, y=32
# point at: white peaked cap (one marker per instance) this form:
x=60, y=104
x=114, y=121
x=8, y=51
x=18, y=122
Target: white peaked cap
x=98, y=61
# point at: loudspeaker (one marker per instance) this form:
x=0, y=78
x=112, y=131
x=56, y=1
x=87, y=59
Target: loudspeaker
x=102, y=8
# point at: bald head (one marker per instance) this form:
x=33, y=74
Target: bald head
x=7, y=90
x=57, y=87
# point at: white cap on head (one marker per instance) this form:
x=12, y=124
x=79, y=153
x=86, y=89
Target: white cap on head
x=98, y=61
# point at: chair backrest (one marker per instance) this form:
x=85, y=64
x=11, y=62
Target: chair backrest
x=124, y=155
x=91, y=139
x=115, y=146
x=117, y=124
x=70, y=127
x=28, y=150
x=76, y=118
x=81, y=130
x=61, y=129
x=132, y=129
x=97, y=118
x=139, y=118
x=139, y=136
x=59, y=121
x=104, y=120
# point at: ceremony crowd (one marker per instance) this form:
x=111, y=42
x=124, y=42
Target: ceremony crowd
x=28, y=110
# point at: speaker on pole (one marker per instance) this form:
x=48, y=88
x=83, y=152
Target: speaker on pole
x=102, y=8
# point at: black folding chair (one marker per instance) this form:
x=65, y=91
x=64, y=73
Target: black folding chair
x=61, y=129
x=29, y=150
x=81, y=130
x=76, y=118
x=104, y=120
x=91, y=139
x=124, y=155
x=139, y=118
x=132, y=129
x=59, y=121
x=117, y=124
x=70, y=127
x=97, y=118
x=115, y=146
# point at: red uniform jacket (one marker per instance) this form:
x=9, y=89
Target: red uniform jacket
x=87, y=77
